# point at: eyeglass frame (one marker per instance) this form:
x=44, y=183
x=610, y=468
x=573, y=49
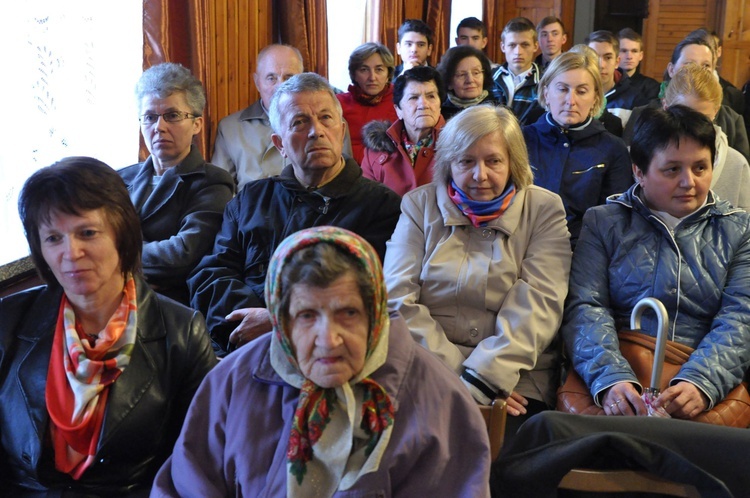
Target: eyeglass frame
x=183, y=116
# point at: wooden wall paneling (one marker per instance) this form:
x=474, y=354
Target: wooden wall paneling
x=668, y=23
x=238, y=30
x=568, y=16
x=734, y=29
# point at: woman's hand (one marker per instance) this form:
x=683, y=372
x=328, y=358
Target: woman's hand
x=623, y=399
x=682, y=400
x=255, y=322
x=516, y=404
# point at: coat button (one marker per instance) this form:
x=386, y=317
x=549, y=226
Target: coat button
x=473, y=332
x=486, y=234
x=566, y=144
x=673, y=291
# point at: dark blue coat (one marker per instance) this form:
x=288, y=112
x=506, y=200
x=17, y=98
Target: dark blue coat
x=584, y=166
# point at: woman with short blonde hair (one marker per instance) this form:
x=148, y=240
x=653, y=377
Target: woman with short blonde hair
x=696, y=87
x=478, y=264
x=570, y=150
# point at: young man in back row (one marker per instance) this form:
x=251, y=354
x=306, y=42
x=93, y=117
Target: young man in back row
x=631, y=55
x=552, y=37
x=414, y=45
x=621, y=96
x=472, y=32
x=515, y=81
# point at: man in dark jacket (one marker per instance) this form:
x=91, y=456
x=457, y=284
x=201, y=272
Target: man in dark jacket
x=622, y=96
x=316, y=187
x=631, y=55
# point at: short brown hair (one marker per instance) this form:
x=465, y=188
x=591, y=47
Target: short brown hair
x=74, y=185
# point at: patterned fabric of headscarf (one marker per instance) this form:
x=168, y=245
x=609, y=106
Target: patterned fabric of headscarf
x=321, y=460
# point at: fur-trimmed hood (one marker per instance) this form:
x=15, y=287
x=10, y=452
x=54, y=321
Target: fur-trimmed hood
x=375, y=137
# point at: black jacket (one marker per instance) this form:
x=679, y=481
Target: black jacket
x=263, y=214
x=145, y=409
x=179, y=217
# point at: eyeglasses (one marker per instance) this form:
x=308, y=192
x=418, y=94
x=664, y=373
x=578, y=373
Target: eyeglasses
x=169, y=117
x=474, y=74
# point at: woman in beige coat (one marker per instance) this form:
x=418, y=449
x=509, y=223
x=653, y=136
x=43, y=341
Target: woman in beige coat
x=478, y=264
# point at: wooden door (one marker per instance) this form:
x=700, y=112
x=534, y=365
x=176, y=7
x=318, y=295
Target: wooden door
x=667, y=23
x=734, y=29
x=534, y=10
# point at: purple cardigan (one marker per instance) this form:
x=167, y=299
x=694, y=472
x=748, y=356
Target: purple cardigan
x=234, y=439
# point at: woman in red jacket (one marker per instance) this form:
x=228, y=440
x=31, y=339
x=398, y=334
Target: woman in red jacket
x=370, y=96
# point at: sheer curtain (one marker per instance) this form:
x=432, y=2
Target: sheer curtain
x=70, y=72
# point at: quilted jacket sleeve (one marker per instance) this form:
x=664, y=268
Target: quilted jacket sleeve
x=589, y=328
x=721, y=359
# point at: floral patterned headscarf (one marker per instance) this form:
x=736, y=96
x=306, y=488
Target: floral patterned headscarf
x=359, y=414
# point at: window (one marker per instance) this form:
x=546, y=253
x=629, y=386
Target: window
x=71, y=69
x=462, y=9
x=346, y=31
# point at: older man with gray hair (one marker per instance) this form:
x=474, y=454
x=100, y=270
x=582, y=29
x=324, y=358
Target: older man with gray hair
x=243, y=140
x=319, y=186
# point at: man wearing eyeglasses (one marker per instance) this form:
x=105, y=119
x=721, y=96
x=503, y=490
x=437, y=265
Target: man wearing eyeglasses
x=179, y=197
x=243, y=140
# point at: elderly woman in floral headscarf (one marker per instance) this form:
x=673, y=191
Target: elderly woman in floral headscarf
x=338, y=397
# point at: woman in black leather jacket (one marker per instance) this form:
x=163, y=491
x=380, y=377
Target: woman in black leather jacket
x=96, y=370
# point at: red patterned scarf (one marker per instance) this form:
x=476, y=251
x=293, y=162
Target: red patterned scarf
x=79, y=377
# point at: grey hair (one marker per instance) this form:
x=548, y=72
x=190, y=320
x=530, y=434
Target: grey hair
x=299, y=83
x=163, y=80
x=578, y=57
x=474, y=123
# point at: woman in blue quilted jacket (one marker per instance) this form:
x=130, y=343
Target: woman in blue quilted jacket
x=670, y=238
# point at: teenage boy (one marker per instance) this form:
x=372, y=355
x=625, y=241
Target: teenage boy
x=414, y=45
x=552, y=37
x=631, y=55
x=621, y=97
x=471, y=31
x=515, y=81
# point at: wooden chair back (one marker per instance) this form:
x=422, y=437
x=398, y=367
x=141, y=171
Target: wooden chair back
x=494, y=416
x=624, y=481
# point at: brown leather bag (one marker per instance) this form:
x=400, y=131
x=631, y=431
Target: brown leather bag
x=638, y=348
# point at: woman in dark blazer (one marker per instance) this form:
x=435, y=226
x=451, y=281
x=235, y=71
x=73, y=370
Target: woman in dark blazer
x=179, y=197
x=96, y=370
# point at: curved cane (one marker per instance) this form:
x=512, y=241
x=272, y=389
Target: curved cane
x=661, y=336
